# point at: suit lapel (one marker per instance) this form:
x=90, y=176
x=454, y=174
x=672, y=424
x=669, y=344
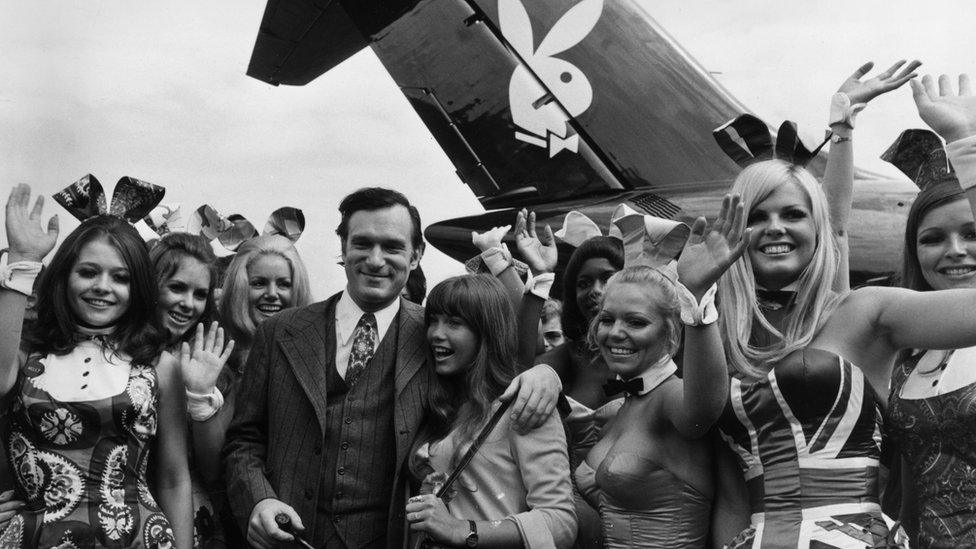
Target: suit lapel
x=306, y=347
x=411, y=346
x=412, y=378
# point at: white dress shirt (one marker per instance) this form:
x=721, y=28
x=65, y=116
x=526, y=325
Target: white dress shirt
x=347, y=315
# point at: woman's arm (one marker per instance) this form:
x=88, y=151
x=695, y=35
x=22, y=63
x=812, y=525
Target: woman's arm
x=491, y=241
x=952, y=116
x=709, y=252
x=914, y=320
x=543, y=466
x=201, y=365
x=172, y=473
x=541, y=255
x=730, y=509
x=28, y=243
x=838, y=182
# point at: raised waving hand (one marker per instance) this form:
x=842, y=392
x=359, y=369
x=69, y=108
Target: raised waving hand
x=710, y=251
x=952, y=115
x=864, y=91
x=201, y=364
x=26, y=238
x=538, y=251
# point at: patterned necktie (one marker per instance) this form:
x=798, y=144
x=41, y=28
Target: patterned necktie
x=363, y=347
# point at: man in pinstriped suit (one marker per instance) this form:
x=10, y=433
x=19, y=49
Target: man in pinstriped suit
x=316, y=435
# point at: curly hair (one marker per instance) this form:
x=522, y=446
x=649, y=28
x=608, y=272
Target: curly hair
x=575, y=322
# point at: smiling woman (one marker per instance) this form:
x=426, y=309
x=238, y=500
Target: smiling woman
x=91, y=394
x=186, y=275
x=266, y=276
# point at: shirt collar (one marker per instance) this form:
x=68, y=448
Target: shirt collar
x=656, y=374
x=347, y=315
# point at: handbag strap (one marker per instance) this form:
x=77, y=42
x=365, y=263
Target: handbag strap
x=469, y=455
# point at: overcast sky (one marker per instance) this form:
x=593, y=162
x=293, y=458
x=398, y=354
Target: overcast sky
x=157, y=91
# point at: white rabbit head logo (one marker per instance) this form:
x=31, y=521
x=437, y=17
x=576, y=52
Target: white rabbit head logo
x=533, y=87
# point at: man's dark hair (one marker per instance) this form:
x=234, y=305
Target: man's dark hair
x=416, y=286
x=377, y=198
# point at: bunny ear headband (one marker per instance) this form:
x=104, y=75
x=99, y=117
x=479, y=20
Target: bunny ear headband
x=226, y=234
x=647, y=239
x=746, y=139
x=920, y=155
x=132, y=200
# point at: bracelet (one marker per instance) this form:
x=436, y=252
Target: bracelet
x=838, y=138
x=841, y=110
x=540, y=285
x=962, y=156
x=497, y=259
x=694, y=312
x=19, y=276
x=202, y=407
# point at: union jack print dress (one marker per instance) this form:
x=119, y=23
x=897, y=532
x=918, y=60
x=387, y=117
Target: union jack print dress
x=807, y=437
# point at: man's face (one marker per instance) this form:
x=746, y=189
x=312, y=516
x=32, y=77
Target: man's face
x=378, y=256
x=550, y=334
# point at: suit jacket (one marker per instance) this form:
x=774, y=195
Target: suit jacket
x=275, y=441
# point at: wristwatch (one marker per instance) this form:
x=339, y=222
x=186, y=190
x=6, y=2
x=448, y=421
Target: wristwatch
x=472, y=539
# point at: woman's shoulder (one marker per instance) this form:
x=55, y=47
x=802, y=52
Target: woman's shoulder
x=551, y=428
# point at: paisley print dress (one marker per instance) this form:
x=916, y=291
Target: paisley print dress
x=78, y=443
x=937, y=436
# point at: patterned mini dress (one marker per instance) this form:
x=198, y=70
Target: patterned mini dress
x=78, y=440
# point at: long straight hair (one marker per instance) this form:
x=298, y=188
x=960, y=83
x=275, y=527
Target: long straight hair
x=930, y=198
x=463, y=403
x=137, y=332
x=739, y=309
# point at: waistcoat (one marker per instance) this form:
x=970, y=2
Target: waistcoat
x=360, y=448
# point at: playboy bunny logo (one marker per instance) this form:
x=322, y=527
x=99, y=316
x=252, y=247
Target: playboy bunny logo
x=544, y=109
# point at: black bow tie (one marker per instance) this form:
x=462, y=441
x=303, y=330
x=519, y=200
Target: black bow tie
x=631, y=386
x=775, y=300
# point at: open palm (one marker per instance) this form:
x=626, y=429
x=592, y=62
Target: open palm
x=539, y=252
x=863, y=91
x=952, y=115
x=710, y=251
x=201, y=364
x=25, y=236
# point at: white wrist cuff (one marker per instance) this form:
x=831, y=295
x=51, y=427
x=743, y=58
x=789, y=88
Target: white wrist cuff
x=962, y=156
x=497, y=259
x=20, y=276
x=693, y=312
x=203, y=407
x=540, y=285
x=841, y=110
